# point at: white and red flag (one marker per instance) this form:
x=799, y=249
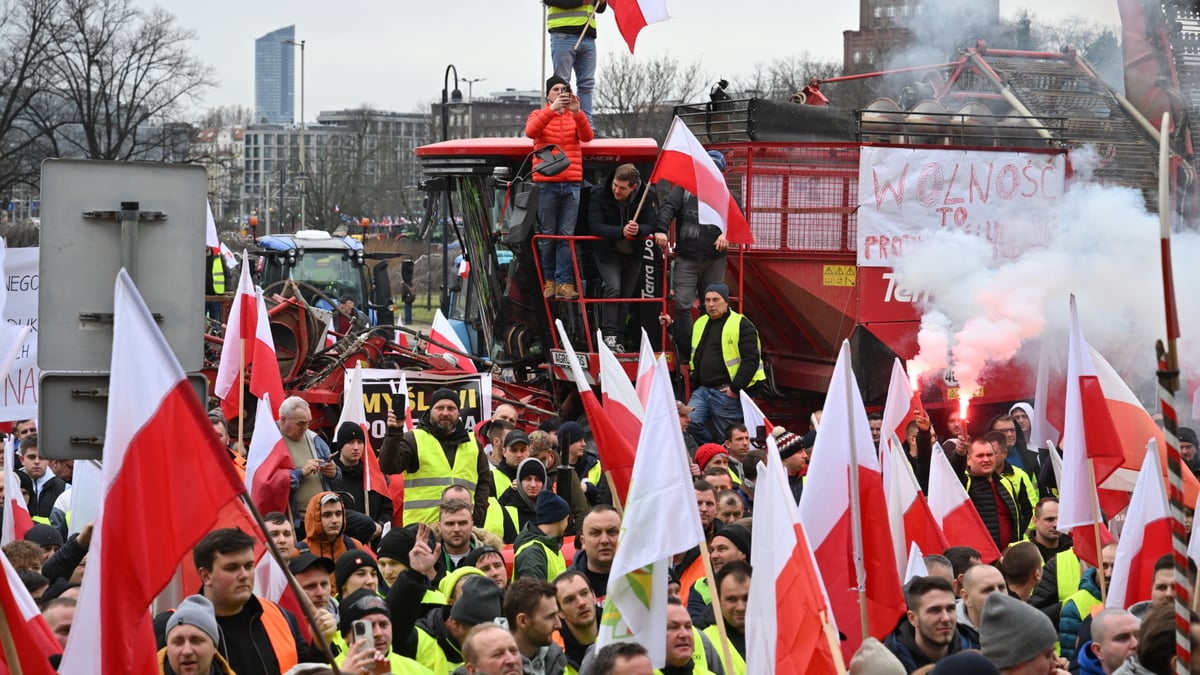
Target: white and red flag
x=684, y=162
x=33, y=639
x=441, y=331
x=354, y=410
x=789, y=627
x=612, y=442
x=1145, y=537
x=846, y=517
x=634, y=15
x=900, y=408
x=645, y=369
x=248, y=321
x=660, y=522
x=17, y=520
x=954, y=511
x=908, y=509
x=268, y=463
x=165, y=480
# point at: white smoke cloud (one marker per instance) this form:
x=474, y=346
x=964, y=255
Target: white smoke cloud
x=1103, y=247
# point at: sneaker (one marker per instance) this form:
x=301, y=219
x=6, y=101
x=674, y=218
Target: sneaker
x=610, y=341
x=548, y=290
x=566, y=292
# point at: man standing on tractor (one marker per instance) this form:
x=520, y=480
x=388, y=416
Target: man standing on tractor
x=726, y=359
x=561, y=123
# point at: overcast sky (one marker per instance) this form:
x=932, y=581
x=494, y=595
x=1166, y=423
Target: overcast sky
x=393, y=55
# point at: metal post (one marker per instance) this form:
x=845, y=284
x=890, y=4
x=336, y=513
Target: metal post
x=267, y=203
x=303, y=130
x=129, y=237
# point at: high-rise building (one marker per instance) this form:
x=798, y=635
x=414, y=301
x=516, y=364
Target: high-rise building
x=275, y=77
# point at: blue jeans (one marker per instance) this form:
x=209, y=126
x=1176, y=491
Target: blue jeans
x=558, y=205
x=714, y=412
x=565, y=59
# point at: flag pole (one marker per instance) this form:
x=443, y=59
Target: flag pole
x=241, y=396
x=588, y=20
x=10, y=647
x=1168, y=383
x=715, y=593
x=1096, y=529
x=305, y=604
x=855, y=511
x=835, y=647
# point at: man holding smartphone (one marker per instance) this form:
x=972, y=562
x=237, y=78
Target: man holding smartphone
x=560, y=122
x=366, y=626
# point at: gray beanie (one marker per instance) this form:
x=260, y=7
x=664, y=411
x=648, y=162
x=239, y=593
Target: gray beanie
x=872, y=658
x=1013, y=632
x=196, y=610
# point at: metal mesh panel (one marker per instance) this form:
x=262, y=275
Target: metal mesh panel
x=797, y=198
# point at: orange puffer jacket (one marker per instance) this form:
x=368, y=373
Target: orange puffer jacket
x=566, y=131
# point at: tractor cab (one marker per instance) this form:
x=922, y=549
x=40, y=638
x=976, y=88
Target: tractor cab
x=325, y=270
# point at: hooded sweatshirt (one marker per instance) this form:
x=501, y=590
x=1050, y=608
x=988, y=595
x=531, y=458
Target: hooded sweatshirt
x=317, y=542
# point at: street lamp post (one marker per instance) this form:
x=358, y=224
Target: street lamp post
x=471, y=102
x=449, y=98
x=303, y=154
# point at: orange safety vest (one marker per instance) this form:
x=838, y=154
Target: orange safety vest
x=279, y=632
x=690, y=576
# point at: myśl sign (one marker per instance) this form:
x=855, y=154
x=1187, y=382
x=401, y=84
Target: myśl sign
x=905, y=195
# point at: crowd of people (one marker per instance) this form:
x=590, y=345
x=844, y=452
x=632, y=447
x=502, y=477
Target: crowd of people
x=509, y=534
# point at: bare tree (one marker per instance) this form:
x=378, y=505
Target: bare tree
x=784, y=76
x=120, y=76
x=635, y=97
x=228, y=116
x=28, y=33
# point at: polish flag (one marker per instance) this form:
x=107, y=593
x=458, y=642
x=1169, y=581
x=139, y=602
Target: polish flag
x=443, y=332
x=898, y=411
x=158, y=500
x=789, y=627
x=17, y=520
x=954, y=511
x=34, y=640
x=908, y=510
x=916, y=564
x=354, y=410
x=268, y=463
x=684, y=162
x=634, y=15
x=248, y=320
x=851, y=555
x=620, y=397
x=1046, y=408
x=645, y=370
x=613, y=444
x=1145, y=538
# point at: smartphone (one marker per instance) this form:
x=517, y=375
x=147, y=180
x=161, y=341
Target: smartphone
x=567, y=89
x=364, y=635
x=398, y=403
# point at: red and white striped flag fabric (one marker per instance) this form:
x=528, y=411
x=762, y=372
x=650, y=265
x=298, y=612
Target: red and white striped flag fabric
x=34, y=640
x=443, y=332
x=899, y=409
x=248, y=320
x=268, y=463
x=354, y=410
x=1145, y=537
x=789, y=627
x=908, y=509
x=17, y=520
x=165, y=480
x=954, y=511
x=619, y=395
x=684, y=162
x=616, y=452
x=634, y=15
x=827, y=509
